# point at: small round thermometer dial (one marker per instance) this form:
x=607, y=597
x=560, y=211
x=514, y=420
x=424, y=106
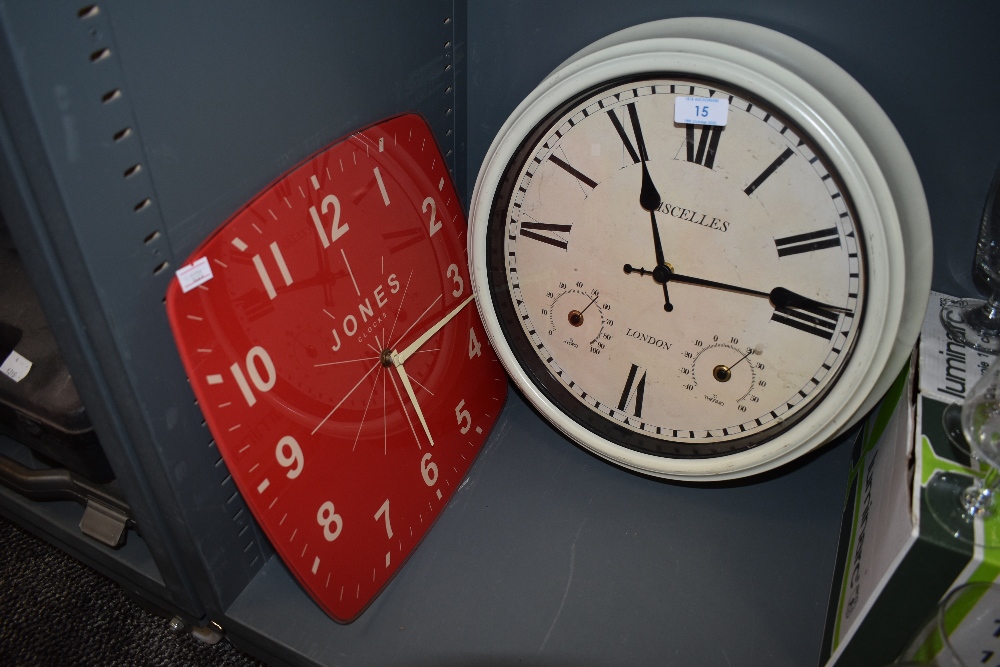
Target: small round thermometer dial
x=328, y=335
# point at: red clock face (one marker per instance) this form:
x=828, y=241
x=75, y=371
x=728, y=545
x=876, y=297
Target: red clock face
x=340, y=365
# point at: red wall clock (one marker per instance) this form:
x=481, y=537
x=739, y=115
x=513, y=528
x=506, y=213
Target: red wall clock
x=329, y=337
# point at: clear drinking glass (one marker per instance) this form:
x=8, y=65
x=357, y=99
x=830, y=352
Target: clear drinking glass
x=961, y=633
x=981, y=324
x=953, y=500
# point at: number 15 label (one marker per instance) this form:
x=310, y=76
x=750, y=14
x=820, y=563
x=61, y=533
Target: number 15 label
x=701, y=111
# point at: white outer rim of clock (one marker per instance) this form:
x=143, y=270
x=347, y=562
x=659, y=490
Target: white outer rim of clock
x=864, y=148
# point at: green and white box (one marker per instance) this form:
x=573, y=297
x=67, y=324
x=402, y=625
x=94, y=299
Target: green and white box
x=896, y=560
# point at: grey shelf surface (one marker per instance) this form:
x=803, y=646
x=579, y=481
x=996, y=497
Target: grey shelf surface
x=550, y=556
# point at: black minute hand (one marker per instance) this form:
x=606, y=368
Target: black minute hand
x=649, y=199
x=780, y=297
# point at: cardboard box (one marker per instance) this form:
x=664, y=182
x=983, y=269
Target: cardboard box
x=896, y=561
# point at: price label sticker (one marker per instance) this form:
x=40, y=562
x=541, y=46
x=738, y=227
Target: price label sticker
x=15, y=367
x=701, y=111
x=195, y=274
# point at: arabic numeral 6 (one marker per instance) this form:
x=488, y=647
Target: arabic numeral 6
x=429, y=469
x=463, y=416
x=256, y=354
x=326, y=517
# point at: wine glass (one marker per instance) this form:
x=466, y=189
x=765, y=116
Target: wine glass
x=953, y=500
x=961, y=632
x=981, y=323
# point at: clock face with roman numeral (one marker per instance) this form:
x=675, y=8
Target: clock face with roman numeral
x=675, y=267
x=686, y=289
x=328, y=335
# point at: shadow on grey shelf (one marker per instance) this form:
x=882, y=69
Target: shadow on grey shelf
x=781, y=471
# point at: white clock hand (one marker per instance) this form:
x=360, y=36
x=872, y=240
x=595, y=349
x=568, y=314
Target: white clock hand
x=413, y=396
x=400, y=358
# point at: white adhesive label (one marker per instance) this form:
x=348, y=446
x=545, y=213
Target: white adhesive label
x=701, y=111
x=15, y=367
x=195, y=274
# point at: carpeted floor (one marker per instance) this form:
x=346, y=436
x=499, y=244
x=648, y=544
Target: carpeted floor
x=57, y=612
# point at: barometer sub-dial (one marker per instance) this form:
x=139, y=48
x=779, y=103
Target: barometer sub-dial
x=724, y=372
x=579, y=317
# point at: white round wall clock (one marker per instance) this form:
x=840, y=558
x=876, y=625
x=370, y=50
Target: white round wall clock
x=700, y=249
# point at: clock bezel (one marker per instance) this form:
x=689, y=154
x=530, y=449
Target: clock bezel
x=850, y=130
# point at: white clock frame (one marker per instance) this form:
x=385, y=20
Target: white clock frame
x=848, y=127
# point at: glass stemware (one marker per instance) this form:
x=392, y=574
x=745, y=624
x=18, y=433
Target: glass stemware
x=953, y=501
x=981, y=323
x=961, y=633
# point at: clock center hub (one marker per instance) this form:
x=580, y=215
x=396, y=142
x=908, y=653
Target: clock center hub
x=662, y=273
x=386, y=358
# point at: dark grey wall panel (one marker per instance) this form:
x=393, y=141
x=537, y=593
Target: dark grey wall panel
x=921, y=61
x=230, y=96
